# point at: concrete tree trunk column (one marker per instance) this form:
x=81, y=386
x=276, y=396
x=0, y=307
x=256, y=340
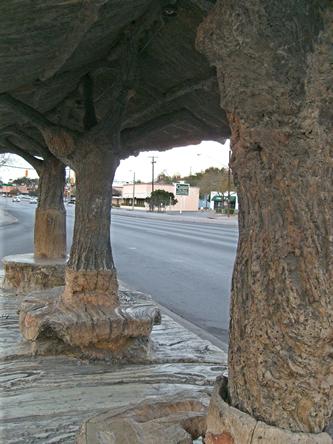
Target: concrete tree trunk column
x=90, y=274
x=85, y=317
x=280, y=361
x=45, y=268
x=50, y=218
x=279, y=102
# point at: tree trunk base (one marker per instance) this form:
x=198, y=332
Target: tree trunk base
x=89, y=331
x=91, y=288
x=228, y=425
x=26, y=273
x=50, y=233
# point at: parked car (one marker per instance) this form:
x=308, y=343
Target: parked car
x=33, y=200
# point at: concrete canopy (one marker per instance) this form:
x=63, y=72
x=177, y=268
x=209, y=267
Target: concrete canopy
x=50, y=48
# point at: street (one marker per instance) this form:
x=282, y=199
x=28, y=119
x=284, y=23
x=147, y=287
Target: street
x=185, y=266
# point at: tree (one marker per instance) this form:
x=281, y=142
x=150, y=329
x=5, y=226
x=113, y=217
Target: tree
x=30, y=183
x=164, y=179
x=212, y=179
x=161, y=199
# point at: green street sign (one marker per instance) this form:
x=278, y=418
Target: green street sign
x=182, y=189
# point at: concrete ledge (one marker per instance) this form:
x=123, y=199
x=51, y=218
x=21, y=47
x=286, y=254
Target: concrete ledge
x=228, y=425
x=25, y=272
x=89, y=331
x=46, y=399
x=163, y=420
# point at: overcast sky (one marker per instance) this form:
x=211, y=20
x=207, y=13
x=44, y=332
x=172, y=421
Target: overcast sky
x=183, y=161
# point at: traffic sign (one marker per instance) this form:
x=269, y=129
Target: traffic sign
x=182, y=189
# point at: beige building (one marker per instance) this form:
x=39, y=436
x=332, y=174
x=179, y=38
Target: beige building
x=143, y=190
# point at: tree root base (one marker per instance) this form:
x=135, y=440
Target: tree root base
x=25, y=272
x=87, y=331
x=228, y=425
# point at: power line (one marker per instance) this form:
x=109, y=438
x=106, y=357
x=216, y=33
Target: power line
x=17, y=167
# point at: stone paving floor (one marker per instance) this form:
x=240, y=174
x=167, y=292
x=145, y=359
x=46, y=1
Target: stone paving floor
x=45, y=399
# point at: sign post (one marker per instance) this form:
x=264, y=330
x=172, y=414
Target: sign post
x=182, y=189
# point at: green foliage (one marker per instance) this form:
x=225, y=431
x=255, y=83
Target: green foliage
x=164, y=179
x=212, y=179
x=161, y=199
x=30, y=183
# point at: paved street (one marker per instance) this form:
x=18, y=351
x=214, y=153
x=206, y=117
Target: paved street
x=186, y=266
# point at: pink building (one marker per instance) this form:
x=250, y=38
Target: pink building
x=143, y=190
x=12, y=187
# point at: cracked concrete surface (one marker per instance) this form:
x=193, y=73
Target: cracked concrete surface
x=46, y=399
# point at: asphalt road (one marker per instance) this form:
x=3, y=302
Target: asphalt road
x=186, y=266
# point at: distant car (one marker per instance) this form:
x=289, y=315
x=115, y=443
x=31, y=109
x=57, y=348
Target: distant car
x=71, y=202
x=33, y=200
x=16, y=199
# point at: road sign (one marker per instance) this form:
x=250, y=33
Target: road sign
x=182, y=189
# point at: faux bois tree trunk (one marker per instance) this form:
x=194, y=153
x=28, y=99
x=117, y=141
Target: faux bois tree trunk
x=91, y=274
x=50, y=221
x=276, y=83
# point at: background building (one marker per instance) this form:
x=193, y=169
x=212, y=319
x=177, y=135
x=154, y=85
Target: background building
x=219, y=201
x=143, y=190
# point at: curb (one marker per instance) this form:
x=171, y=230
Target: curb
x=188, y=325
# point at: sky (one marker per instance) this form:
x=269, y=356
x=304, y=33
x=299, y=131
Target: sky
x=183, y=161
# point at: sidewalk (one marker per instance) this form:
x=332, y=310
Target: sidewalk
x=46, y=399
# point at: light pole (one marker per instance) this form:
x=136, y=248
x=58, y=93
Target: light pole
x=153, y=161
x=133, y=191
x=228, y=209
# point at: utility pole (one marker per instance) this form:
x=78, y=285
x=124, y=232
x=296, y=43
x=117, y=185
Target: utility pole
x=133, y=197
x=153, y=161
x=228, y=210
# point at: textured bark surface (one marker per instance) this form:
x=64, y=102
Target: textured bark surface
x=227, y=425
x=273, y=65
x=97, y=332
x=25, y=273
x=173, y=104
x=91, y=248
x=50, y=233
x=96, y=287
x=91, y=275
x=50, y=219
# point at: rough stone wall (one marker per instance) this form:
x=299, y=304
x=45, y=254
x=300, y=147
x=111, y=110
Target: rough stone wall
x=273, y=63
